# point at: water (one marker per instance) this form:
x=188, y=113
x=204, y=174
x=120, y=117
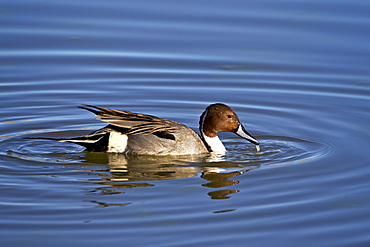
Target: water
x=295, y=72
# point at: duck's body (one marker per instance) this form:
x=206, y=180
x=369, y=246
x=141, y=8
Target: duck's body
x=178, y=141
x=143, y=134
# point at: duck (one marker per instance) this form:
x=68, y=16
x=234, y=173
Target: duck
x=142, y=134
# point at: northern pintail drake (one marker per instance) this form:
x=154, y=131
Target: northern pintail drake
x=142, y=134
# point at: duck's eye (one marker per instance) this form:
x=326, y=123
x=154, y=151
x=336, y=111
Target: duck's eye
x=229, y=116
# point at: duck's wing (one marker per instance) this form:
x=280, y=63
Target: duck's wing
x=134, y=123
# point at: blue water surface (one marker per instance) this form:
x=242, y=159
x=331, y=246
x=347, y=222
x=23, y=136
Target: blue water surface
x=296, y=72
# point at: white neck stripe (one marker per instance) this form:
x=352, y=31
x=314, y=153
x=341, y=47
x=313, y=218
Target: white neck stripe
x=202, y=122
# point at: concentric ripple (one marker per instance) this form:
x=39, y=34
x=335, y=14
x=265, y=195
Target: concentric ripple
x=275, y=151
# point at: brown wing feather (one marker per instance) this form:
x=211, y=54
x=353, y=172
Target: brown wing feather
x=136, y=123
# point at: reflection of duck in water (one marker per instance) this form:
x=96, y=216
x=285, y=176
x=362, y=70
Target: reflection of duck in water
x=142, y=134
x=128, y=171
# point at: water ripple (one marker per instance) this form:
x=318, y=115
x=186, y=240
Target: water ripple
x=275, y=151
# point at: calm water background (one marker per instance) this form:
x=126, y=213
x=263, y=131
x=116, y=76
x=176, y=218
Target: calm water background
x=296, y=72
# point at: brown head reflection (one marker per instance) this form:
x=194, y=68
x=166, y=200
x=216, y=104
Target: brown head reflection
x=218, y=180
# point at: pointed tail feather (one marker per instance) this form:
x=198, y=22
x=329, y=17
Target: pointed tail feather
x=46, y=138
x=95, y=144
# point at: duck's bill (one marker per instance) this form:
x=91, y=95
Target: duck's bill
x=244, y=134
